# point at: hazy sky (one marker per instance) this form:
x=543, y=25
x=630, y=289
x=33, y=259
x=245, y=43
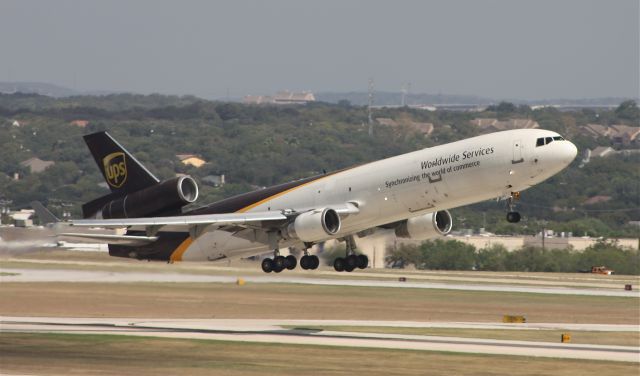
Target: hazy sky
x=501, y=49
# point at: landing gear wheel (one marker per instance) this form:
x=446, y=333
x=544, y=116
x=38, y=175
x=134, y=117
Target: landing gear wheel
x=305, y=262
x=279, y=263
x=339, y=264
x=513, y=217
x=351, y=262
x=267, y=265
x=291, y=262
x=363, y=261
x=315, y=262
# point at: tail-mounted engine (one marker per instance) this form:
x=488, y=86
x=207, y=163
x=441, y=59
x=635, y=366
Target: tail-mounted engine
x=170, y=195
x=425, y=226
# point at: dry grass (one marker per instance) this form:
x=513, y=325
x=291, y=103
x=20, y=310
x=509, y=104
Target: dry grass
x=580, y=337
x=72, y=354
x=287, y=301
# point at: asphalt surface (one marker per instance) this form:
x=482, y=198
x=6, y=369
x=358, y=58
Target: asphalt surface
x=66, y=275
x=271, y=331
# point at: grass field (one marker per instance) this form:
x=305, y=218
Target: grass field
x=580, y=337
x=74, y=354
x=290, y=301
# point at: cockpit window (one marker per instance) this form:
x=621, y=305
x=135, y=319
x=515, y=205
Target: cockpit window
x=547, y=140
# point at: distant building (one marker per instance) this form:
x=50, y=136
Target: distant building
x=22, y=218
x=596, y=200
x=424, y=128
x=214, y=180
x=36, y=165
x=602, y=151
x=619, y=133
x=286, y=97
x=15, y=123
x=191, y=160
x=495, y=125
x=80, y=123
x=281, y=97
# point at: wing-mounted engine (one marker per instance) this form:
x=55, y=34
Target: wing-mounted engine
x=425, y=226
x=314, y=225
x=165, y=197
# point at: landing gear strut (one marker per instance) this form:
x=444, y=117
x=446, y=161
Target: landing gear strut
x=309, y=261
x=280, y=263
x=513, y=216
x=351, y=259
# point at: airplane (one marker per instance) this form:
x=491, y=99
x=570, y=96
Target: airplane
x=407, y=195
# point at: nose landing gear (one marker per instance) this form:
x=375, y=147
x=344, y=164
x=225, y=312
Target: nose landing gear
x=513, y=216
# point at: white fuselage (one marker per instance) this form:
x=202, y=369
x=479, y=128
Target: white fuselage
x=437, y=178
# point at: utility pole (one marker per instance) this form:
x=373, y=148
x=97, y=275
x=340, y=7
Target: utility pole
x=369, y=109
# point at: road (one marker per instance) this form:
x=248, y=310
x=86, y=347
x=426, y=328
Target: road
x=272, y=331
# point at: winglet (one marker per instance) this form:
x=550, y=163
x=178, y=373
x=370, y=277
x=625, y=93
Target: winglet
x=46, y=217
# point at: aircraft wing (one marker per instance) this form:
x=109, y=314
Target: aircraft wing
x=185, y=221
x=189, y=222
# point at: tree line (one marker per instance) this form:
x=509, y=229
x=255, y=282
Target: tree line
x=455, y=255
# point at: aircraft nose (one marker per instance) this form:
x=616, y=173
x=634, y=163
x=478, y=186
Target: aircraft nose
x=571, y=151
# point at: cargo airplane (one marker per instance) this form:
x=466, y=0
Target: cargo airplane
x=408, y=195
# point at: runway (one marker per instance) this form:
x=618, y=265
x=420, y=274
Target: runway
x=272, y=331
x=68, y=275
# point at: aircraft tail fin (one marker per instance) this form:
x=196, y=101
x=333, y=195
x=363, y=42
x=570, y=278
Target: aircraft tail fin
x=44, y=215
x=121, y=170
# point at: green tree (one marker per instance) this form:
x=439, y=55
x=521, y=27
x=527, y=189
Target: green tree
x=447, y=255
x=492, y=258
x=629, y=110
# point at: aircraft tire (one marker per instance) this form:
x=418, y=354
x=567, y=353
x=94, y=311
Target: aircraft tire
x=291, y=262
x=363, y=261
x=339, y=264
x=279, y=262
x=315, y=262
x=267, y=265
x=351, y=262
x=305, y=262
x=513, y=217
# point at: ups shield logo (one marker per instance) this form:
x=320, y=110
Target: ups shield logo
x=115, y=169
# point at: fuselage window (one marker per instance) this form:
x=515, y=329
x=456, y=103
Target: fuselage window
x=540, y=142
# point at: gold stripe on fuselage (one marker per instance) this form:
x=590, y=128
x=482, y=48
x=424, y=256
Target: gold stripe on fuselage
x=247, y=208
x=182, y=248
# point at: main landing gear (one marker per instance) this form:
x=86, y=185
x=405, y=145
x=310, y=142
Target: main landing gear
x=351, y=260
x=280, y=263
x=513, y=216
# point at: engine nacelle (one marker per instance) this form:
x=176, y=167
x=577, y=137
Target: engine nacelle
x=426, y=226
x=169, y=195
x=314, y=225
